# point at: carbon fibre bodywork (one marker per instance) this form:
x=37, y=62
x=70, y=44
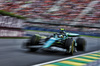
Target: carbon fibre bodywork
x=64, y=41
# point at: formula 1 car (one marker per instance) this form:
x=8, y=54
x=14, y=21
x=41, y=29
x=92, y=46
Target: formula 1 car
x=61, y=40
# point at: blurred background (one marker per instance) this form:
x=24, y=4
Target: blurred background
x=20, y=19
x=49, y=15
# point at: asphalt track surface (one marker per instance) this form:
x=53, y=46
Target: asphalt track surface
x=12, y=54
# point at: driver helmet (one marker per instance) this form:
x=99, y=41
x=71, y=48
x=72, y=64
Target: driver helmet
x=62, y=30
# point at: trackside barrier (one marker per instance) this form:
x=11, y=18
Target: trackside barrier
x=54, y=30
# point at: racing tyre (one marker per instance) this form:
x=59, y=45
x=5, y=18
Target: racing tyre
x=69, y=45
x=34, y=40
x=81, y=44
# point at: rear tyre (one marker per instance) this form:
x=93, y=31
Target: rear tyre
x=34, y=40
x=69, y=46
x=81, y=44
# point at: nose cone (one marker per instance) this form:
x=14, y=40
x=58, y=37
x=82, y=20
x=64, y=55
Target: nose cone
x=49, y=42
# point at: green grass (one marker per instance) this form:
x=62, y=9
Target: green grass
x=41, y=31
x=5, y=13
x=14, y=37
x=28, y=2
x=55, y=32
x=90, y=36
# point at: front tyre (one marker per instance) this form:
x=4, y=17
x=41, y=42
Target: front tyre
x=69, y=46
x=81, y=44
x=34, y=40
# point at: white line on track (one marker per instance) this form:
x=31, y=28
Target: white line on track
x=64, y=58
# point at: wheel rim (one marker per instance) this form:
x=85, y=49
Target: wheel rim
x=72, y=49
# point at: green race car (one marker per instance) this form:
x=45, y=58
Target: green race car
x=59, y=40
